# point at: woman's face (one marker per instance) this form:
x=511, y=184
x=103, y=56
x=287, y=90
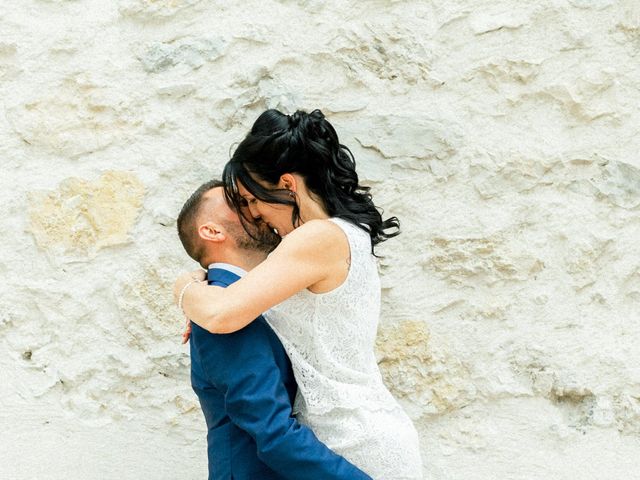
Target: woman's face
x=275, y=215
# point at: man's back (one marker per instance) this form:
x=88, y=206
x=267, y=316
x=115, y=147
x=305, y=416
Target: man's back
x=246, y=389
x=232, y=451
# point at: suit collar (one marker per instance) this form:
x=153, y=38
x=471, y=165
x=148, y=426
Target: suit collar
x=229, y=267
x=220, y=274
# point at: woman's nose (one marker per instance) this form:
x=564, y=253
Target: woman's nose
x=254, y=211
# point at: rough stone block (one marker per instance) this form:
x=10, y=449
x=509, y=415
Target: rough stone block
x=76, y=117
x=193, y=52
x=84, y=216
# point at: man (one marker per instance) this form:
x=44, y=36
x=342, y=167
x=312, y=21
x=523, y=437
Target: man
x=244, y=380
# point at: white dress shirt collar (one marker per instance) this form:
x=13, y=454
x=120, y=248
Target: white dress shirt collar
x=230, y=268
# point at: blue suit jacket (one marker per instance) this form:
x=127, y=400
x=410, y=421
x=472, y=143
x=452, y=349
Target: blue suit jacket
x=246, y=389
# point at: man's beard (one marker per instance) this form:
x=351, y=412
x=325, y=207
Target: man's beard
x=261, y=238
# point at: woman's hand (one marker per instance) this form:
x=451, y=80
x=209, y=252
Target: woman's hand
x=187, y=331
x=183, y=280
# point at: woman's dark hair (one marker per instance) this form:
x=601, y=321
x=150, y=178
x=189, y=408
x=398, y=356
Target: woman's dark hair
x=306, y=144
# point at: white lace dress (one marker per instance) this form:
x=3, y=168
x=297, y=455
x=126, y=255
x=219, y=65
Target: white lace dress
x=330, y=338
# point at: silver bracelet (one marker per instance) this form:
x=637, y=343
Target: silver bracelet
x=183, y=291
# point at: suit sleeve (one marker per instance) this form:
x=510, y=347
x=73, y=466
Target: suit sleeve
x=243, y=366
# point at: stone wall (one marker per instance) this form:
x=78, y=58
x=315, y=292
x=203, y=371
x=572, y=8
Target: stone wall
x=504, y=134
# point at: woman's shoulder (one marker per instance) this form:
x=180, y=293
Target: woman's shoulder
x=322, y=229
x=319, y=236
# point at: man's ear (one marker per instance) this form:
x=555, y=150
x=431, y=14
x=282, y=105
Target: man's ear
x=289, y=182
x=211, y=232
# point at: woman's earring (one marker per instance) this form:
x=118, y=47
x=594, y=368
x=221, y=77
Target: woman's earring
x=291, y=194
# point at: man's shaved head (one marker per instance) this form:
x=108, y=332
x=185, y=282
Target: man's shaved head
x=208, y=204
x=188, y=218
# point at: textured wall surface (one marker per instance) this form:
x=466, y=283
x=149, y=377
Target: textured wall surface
x=504, y=134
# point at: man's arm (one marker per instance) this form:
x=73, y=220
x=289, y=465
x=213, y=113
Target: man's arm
x=258, y=403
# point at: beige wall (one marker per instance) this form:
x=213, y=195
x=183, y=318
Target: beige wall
x=504, y=134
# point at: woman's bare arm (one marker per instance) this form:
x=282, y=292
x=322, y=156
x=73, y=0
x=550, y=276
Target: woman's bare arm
x=310, y=255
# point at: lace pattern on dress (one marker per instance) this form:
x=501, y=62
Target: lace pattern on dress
x=330, y=338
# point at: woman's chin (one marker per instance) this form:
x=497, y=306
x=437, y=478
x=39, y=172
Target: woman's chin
x=283, y=231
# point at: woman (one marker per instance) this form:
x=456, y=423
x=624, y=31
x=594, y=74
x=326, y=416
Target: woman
x=319, y=287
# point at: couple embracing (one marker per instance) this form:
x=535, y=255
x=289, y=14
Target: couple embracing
x=283, y=322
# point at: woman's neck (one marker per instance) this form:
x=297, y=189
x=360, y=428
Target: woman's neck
x=311, y=208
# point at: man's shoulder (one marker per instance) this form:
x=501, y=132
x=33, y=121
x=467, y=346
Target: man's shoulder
x=257, y=328
x=258, y=332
